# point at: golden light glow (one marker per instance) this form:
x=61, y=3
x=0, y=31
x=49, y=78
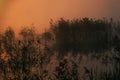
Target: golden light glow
x=26, y=12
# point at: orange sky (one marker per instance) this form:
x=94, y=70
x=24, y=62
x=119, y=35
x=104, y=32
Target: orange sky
x=17, y=13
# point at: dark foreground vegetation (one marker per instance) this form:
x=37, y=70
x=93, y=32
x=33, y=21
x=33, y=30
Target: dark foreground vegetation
x=79, y=49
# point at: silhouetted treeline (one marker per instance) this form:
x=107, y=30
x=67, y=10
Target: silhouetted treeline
x=35, y=56
x=83, y=35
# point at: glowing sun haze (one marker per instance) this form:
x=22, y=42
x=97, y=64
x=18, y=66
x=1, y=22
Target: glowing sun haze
x=19, y=13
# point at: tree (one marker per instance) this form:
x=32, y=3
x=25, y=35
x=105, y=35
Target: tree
x=1, y=44
x=66, y=72
x=8, y=41
x=29, y=51
x=82, y=35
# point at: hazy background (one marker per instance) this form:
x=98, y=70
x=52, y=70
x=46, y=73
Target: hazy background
x=17, y=13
